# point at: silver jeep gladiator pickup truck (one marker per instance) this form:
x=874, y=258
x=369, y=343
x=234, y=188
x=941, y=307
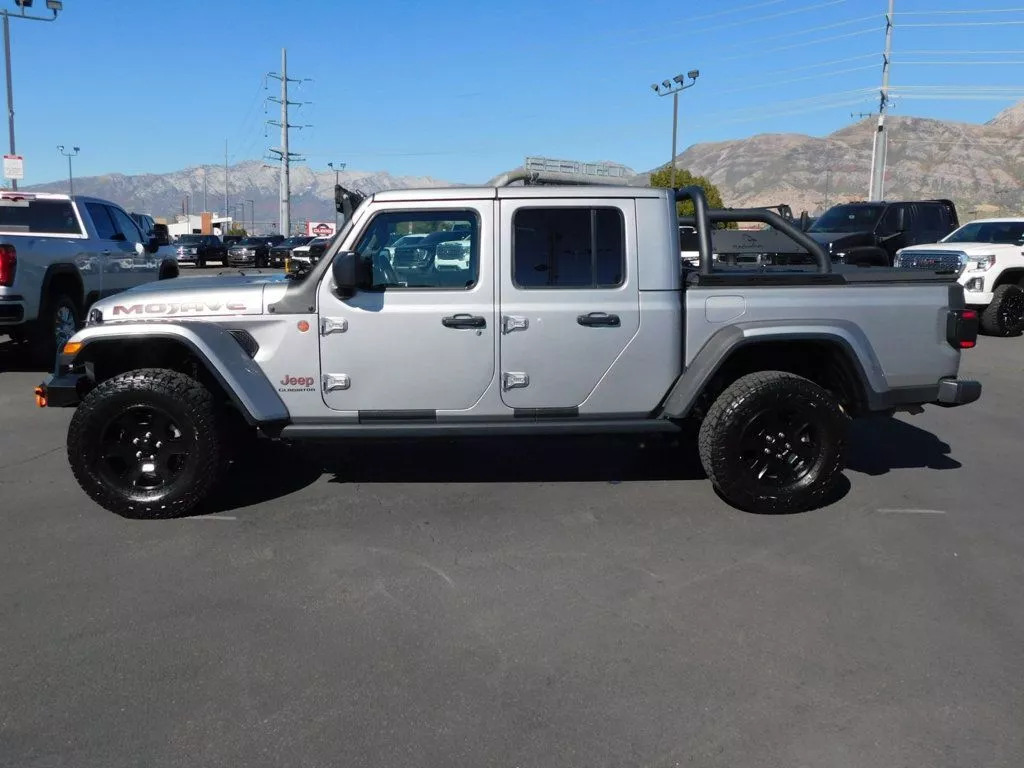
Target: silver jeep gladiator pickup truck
x=59, y=254
x=570, y=314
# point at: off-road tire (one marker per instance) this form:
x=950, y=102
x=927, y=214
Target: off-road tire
x=44, y=335
x=191, y=409
x=732, y=444
x=1005, y=315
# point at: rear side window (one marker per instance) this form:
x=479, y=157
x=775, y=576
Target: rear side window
x=930, y=218
x=100, y=215
x=55, y=217
x=568, y=248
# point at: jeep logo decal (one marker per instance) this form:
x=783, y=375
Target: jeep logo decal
x=296, y=384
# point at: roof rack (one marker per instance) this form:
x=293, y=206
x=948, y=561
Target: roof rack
x=547, y=170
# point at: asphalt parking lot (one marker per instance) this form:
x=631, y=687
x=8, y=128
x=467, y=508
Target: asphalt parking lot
x=536, y=603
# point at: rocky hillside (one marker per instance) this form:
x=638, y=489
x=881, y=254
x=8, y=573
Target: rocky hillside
x=162, y=194
x=981, y=167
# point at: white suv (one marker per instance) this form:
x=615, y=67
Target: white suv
x=988, y=256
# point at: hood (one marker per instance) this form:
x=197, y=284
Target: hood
x=190, y=297
x=824, y=238
x=971, y=249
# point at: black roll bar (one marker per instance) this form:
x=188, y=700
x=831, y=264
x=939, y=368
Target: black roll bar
x=704, y=217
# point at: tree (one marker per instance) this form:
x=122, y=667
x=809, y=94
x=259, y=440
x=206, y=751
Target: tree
x=663, y=178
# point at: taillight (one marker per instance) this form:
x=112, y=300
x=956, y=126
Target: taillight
x=962, y=328
x=8, y=263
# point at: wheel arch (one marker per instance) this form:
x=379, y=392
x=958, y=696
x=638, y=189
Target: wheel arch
x=209, y=352
x=835, y=357
x=1013, y=276
x=66, y=277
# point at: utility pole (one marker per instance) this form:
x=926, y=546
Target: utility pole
x=252, y=213
x=69, y=155
x=225, y=177
x=337, y=168
x=206, y=206
x=54, y=5
x=880, y=145
x=674, y=86
x=283, y=154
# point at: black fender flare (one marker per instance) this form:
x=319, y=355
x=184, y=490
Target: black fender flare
x=57, y=270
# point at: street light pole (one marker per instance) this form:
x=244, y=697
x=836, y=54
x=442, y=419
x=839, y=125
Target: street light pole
x=69, y=155
x=674, y=86
x=337, y=170
x=252, y=212
x=54, y=5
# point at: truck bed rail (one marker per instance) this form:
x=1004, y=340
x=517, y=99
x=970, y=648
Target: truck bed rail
x=704, y=217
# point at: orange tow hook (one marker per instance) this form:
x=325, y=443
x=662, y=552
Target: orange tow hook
x=40, y=397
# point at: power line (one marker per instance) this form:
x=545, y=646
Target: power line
x=792, y=80
x=809, y=30
x=953, y=62
x=959, y=11
x=743, y=22
x=819, y=41
x=962, y=24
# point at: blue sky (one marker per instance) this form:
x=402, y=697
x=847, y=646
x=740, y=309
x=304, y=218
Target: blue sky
x=462, y=90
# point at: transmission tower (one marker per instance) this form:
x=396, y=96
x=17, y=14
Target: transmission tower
x=282, y=153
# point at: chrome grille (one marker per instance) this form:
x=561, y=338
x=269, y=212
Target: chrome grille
x=938, y=261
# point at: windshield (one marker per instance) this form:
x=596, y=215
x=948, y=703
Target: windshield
x=253, y=241
x=1002, y=232
x=190, y=239
x=848, y=218
x=293, y=241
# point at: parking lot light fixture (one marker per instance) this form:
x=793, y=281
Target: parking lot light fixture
x=54, y=5
x=674, y=86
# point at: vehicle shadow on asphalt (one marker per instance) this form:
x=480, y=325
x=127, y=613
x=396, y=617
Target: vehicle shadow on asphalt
x=275, y=470
x=14, y=358
x=880, y=444
x=271, y=471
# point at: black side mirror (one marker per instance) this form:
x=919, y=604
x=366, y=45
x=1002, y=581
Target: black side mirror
x=153, y=245
x=351, y=272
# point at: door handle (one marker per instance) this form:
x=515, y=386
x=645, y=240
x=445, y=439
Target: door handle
x=464, y=321
x=105, y=253
x=599, y=320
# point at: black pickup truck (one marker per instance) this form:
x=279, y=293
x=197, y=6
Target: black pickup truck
x=865, y=234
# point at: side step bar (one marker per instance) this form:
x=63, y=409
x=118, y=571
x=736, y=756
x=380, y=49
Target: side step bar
x=333, y=430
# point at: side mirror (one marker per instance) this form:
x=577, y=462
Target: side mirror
x=153, y=245
x=351, y=272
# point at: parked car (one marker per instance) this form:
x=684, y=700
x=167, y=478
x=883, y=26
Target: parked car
x=869, y=234
x=253, y=251
x=200, y=250
x=418, y=257
x=988, y=258
x=574, y=317
x=59, y=254
x=400, y=241
x=309, y=254
x=281, y=252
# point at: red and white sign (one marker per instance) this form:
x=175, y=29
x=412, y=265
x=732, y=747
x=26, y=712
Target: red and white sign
x=320, y=228
x=14, y=167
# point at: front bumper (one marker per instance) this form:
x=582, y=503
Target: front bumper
x=63, y=390
x=954, y=392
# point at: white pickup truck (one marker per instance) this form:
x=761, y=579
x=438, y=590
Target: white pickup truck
x=59, y=254
x=988, y=256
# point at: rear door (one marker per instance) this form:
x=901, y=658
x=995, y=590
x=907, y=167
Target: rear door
x=569, y=297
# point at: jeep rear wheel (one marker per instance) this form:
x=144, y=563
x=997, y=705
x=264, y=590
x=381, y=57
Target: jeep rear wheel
x=773, y=442
x=1005, y=315
x=145, y=444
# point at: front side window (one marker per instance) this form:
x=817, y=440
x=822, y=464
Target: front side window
x=100, y=215
x=568, y=248
x=423, y=249
x=125, y=225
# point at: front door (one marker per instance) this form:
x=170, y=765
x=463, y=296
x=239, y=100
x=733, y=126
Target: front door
x=569, y=297
x=422, y=339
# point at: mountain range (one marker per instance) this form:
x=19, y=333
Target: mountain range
x=980, y=167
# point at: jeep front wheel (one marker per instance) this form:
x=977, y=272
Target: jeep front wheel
x=773, y=442
x=145, y=444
